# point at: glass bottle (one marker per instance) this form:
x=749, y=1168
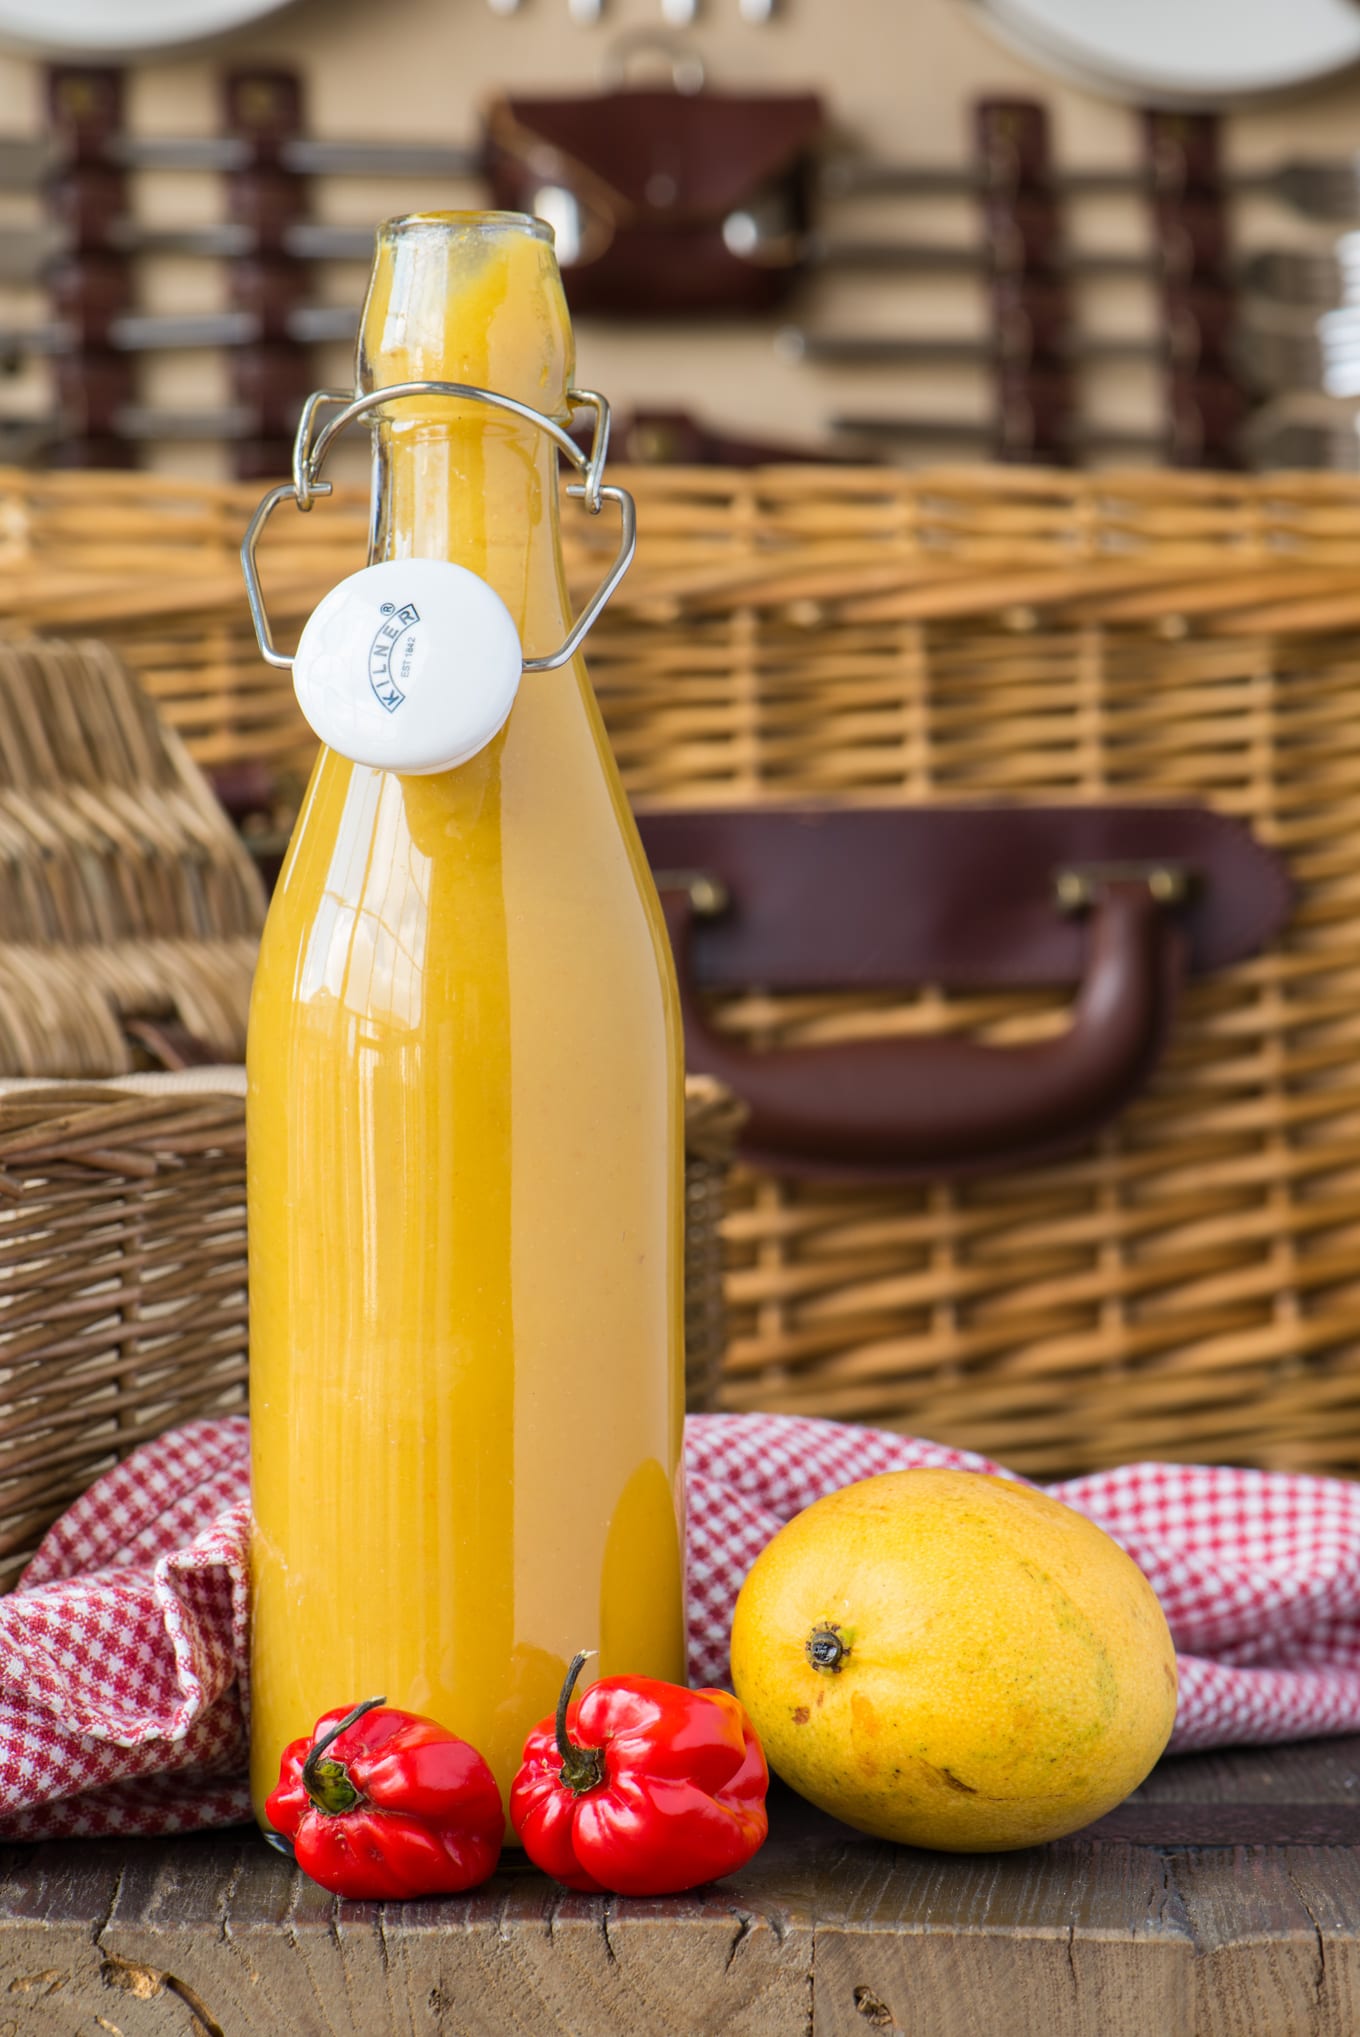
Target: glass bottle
x=465, y=1122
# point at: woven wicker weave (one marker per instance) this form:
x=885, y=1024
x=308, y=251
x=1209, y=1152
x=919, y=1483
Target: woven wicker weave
x=122, y=1258
x=1192, y=1287
x=712, y=1121
x=126, y=891
x=123, y=1268
x=767, y=635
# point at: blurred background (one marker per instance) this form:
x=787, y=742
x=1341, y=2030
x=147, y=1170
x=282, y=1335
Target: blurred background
x=1050, y=281
x=1090, y=298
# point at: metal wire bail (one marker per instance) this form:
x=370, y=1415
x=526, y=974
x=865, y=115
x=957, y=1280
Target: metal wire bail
x=312, y=444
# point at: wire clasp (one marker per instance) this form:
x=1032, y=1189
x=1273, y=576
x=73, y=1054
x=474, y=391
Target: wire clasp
x=314, y=440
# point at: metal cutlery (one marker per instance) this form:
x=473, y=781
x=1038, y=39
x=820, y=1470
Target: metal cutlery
x=1339, y=341
x=27, y=164
x=143, y=332
x=23, y=439
x=1326, y=189
x=1289, y=275
x=1293, y=276
x=1284, y=434
x=1279, y=435
x=1264, y=358
x=768, y=229
x=27, y=252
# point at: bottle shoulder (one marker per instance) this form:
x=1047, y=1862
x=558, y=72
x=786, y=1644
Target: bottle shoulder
x=547, y=787
x=525, y=859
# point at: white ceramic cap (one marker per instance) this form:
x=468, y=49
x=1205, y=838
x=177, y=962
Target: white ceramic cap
x=410, y=665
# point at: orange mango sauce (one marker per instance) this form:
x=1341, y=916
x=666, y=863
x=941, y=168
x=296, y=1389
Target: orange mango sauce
x=465, y=1125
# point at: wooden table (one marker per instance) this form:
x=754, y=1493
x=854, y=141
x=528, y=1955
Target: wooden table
x=1223, y=1898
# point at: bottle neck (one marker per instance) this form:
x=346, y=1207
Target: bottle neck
x=481, y=490
x=473, y=298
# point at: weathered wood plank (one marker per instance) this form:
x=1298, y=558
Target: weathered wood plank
x=1305, y=1772
x=1328, y=1885
x=827, y=1934
x=1206, y=1823
x=216, y=1934
x=546, y=1961
x=1278, y=1936
x=54, y=1976
x=1068, y=1941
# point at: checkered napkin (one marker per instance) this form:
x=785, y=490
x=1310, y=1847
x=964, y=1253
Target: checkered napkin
x=122, y=1650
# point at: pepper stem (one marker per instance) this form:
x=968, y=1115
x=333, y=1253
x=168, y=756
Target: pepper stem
x=327, y=1783
x=582, y=1767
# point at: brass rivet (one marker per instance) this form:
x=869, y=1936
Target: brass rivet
x=1020, y=618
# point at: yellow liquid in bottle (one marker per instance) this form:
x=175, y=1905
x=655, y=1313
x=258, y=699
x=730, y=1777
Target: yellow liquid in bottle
x=465, y=1126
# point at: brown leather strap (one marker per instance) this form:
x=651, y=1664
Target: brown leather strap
x=948, y=1105
x=968, y=898
x=677, y=438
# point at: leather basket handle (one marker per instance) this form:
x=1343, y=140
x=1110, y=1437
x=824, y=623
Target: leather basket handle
x=945, y=1105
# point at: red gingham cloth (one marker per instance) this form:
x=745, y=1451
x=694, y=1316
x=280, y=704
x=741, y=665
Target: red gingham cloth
x=123, y=1649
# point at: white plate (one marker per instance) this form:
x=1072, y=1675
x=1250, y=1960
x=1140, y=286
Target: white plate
x=103, y=28
x=1183, y=52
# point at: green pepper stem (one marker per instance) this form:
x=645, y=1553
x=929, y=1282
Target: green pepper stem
x=327, y=1783
x=582, y=1767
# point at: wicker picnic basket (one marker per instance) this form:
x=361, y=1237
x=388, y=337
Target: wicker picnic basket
x=1189, y=1286
x=128, y=896
x=122, y=1263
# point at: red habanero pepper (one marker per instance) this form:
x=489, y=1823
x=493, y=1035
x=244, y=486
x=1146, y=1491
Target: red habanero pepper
x=383, y=1804
x=641, y=1787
